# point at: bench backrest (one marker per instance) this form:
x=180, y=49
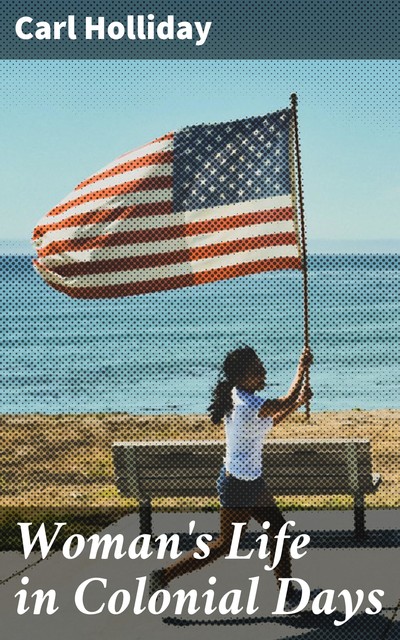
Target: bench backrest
x=291, y=467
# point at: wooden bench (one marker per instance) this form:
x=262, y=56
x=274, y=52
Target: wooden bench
x=301, y=467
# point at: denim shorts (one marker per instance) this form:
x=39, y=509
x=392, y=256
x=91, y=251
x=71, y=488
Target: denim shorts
x=235, y=493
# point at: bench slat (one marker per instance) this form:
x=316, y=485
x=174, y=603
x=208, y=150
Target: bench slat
x=291, y=467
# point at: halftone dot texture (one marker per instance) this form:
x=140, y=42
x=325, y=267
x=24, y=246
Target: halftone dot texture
x=81, y=375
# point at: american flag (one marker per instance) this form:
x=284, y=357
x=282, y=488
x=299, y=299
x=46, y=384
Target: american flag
x=205, y=203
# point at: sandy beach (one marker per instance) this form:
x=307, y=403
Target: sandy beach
x=65, y=460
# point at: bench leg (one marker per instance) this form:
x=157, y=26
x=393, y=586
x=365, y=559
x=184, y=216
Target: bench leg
x=359, y=515
x=145, y=520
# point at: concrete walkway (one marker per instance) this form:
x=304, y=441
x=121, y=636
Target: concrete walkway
x=333, y=561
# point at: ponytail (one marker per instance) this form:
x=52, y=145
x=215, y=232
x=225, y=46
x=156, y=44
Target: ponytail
x=221, y=403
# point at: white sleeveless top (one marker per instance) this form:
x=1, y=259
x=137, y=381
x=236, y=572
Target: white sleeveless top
x=245, y=432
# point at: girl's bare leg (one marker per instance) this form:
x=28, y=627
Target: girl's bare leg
x=218, y=547
x=271, y=512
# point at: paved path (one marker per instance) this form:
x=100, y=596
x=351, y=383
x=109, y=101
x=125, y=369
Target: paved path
x=333, y=561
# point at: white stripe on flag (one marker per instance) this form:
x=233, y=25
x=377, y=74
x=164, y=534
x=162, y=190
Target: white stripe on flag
x=155, y=222
x=151, y=171
x=166, y=246
x=154, y=273
x=122, y=200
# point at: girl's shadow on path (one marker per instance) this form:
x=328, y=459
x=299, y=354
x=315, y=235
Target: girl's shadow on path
x=321, y=627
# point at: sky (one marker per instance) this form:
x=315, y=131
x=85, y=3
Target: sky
x=63, y=120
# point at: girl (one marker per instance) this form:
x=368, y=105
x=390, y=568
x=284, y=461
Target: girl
x=242, y=490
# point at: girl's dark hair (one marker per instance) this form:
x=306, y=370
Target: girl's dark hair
x=237, y=363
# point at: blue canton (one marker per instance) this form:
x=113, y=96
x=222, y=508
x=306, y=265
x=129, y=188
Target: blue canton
x=231, y=162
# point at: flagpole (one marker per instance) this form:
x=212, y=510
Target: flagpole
x=293, y=99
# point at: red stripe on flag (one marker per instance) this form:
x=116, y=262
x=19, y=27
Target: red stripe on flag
x=174, y=257
x=167, y=136
x=162, y=157
x=107, y=215
x=143, y=184
x=187, y=280
x=166, y=233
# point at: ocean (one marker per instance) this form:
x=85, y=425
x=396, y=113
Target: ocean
x=161, y=353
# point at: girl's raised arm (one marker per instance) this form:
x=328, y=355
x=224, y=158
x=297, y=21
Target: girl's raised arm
x=279, y=408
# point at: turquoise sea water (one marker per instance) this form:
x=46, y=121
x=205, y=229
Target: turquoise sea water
x=161, y=353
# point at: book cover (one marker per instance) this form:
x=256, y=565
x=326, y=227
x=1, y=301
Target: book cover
x=200, y=356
